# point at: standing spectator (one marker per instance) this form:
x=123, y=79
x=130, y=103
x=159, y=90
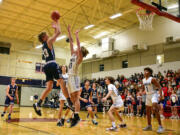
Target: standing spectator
x=161, y=103
x=129, y=104
x=139, y=102
x=165, y=90
x=143, y=109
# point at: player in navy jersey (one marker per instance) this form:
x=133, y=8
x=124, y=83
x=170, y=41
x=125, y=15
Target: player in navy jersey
x=51, y=68
x=95, y=98
x=11, y=92
x=86, y=99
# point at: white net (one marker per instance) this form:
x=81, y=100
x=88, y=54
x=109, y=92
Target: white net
x=145, y=20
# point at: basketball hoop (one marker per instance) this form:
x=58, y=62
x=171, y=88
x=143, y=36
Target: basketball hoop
x=145, y=19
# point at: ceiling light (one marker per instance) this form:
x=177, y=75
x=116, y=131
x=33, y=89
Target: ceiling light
x=100, y=35
x=38, y=46
x=115, y=16
x=173, y=6
x=89, y=26
x=61, y=37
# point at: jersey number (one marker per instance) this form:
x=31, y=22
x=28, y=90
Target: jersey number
x=45, y=53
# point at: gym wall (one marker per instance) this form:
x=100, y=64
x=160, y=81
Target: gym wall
x=126, y=39
x=23, y=57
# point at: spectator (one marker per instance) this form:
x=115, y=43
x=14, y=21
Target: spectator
x=165, y=90
x=174, y=100
x=178, y=95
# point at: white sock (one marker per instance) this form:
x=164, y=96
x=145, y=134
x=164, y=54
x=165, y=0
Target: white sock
x=113, y=124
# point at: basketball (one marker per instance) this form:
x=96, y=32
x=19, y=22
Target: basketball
x=55, y=15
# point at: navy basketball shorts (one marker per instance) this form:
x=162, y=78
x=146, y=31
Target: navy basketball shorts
x=52, y=71
x=9, y=102
x=95, y=101
x=88, y=104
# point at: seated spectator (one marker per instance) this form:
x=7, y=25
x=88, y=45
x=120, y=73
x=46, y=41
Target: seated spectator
x=174, y=100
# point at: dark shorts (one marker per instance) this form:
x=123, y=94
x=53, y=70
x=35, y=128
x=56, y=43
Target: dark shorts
x=173, y=104
x=138, y=102
x=9, y=102
x=52, y=71
x=161, y=102
x=129, y=102
x=95, y=101
x=88, y=104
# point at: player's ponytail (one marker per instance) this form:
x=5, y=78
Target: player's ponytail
x=84, y=51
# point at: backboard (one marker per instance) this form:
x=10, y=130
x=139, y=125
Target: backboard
x=167, y=8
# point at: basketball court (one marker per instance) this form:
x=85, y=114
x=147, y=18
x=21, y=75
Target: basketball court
x=122, y=36
x=25, y=121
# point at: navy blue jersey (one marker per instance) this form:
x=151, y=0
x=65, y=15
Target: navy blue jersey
x=86, y=93
x=48, y=54
x=94, y=93
x=12, y=90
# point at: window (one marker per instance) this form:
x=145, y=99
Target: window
x=101, y=67
x=125, y=64
x=4, y=50
x=160, y=59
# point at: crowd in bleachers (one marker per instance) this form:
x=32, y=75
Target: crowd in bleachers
x=131, y=91
x=134, y=96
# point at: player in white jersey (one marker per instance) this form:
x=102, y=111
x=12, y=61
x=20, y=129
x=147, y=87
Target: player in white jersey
x=116, y=106
x=74, y=81
x=62, y=98
x=151, y=86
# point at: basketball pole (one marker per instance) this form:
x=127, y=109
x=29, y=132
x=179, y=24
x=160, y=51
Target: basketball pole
x=179, y=8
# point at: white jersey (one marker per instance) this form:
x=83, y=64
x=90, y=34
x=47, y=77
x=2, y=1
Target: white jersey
x=65, y=78
x=114, y=94
x=73, y=65
x=149, y=87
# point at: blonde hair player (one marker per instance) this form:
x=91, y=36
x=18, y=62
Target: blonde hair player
x=11, y=92
x=51, y=68
x=73, y=80
x=116, y=106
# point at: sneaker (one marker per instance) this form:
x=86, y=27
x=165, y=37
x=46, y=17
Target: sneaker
x=62, y=121
x=74, y=122
x=2, y=115
x=160, y=130
x=148, y=128
x=37, y=109
x=59, y=124
x=9, y=117
x=122, y=126
x=111, y=129
x=94, y=122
